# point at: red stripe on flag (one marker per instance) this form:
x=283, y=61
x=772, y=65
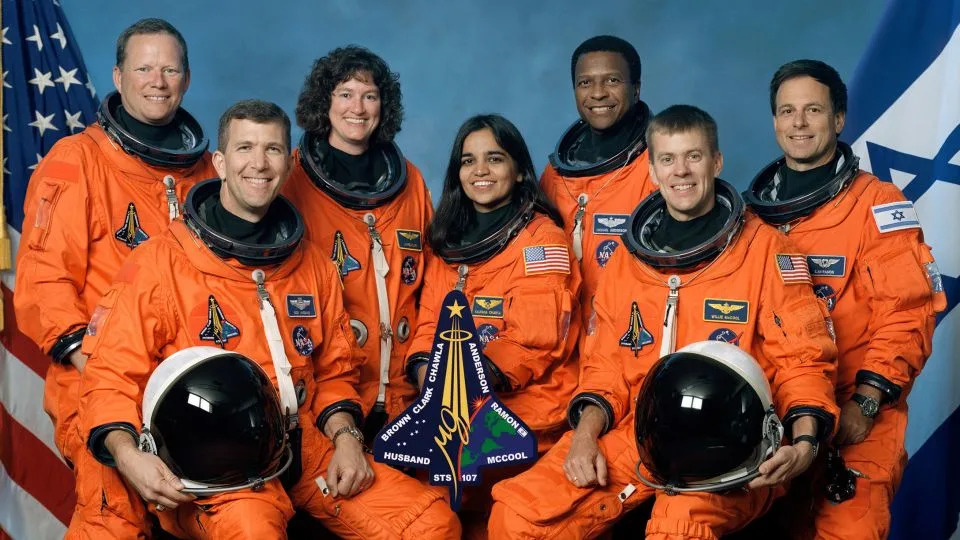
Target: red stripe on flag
x=4, y=535
x=17, y=343
x=35, y=469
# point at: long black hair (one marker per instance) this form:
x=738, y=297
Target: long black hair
x=456, y=211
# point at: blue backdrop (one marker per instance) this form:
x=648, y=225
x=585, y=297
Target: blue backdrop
x=457, y=58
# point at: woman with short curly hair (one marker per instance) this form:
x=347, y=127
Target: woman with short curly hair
x=368, y=207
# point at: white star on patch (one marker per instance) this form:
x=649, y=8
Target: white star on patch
x=59, y=36
x=5, y=40
x=43, y=123
x=89, y=85
x=41, y=80
x=73, y=120
x=34, y=166
x=5, y=126
x=67, y=78
x=5, y=83
x=36, y=38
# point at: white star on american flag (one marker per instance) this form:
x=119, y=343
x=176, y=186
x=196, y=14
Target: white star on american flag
x=36, y=38
x=5, y=40
x=73, y=120
x=89, y=85
x=41, y=80
x=5, y=126
x=67, y=78
x=43, y=123
x=59, y=36
x=5, y=169
x=34, y=166
x=5, y=83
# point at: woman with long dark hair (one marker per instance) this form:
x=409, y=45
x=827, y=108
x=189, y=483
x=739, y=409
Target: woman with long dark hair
x=501, y=242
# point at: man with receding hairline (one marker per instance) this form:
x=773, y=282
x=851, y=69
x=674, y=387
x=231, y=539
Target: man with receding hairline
x=94, y=198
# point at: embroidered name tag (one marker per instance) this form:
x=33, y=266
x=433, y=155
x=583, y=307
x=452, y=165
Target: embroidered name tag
x=722, y=310
x=610, y=223
x=301, y=305
x=827, y=265
x=490, y=307
x=411, y=240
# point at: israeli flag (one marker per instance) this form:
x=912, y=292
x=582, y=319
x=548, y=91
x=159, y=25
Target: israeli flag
x=904, y=121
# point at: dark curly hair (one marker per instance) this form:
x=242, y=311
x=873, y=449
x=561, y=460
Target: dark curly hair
x=340, y=65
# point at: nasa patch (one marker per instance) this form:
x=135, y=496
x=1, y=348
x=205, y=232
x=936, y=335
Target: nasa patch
x=827, y=294
x=487, y=333
x=490, y=307
x=827, y=265
x=605, y=251
x=302, y=340
x=301, y=306
x=615, y=224
x=408, y=270
x=725, y=335
x=723, y=310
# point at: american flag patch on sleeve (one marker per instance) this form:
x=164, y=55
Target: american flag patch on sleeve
x=546, y=259
x=793, y=269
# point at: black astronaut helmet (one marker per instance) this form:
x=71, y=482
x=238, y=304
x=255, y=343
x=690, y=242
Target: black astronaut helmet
x=289, y=232
x=194, y=141
x=214, y=418
x=390, y=183
x=762, y=197
x=649, y=214
x=563, y=157
x=495, y=242
x=705, y=419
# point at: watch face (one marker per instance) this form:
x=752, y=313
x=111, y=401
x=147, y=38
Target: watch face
x=869, y=407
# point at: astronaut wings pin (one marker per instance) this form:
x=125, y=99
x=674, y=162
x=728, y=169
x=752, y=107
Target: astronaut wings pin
x=457, y=426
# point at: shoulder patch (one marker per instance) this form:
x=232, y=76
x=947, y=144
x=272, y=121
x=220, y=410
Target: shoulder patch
x=546, y=259
x=636, y=335
x=217, y=328
x=793, y=268
x=409, y=240
x=341, y=257
x=895, y=216
x=301, y=306
x=130, y=232
x=605, y=251
x=614, y=224
x=490, y=307
x=827, y=265
x=723, y=310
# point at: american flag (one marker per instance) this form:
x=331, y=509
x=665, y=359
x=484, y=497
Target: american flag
x=793, y=269
x=544, y=259
x=47, y=94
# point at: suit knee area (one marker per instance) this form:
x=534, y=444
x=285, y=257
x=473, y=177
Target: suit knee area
x=436, y=521
x=506, y=523
x=660, y=528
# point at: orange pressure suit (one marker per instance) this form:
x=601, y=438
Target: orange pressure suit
x=739, y=297
x=172, y=294
x=89, y=203
x=343, y=233
x=609, y=192
x=524, y=318
x=882, y=289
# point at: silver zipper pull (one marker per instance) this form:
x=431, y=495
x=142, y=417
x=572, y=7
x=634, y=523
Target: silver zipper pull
x=668, y=341
x=173, y=206
x=371, y=220
x=578, y=225
x=259, y=277
x=462, y=272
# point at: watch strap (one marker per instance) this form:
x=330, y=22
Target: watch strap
x=812, y=439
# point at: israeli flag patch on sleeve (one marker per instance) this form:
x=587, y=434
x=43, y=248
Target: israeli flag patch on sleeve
x=896, y=216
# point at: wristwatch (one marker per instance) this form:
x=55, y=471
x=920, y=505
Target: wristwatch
x=354, y=432
x=814, y=442
x=868, y=406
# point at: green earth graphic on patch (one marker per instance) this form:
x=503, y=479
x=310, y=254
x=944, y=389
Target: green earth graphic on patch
x=494, y=427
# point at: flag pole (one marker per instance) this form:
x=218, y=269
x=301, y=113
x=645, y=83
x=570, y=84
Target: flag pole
x=5, y=255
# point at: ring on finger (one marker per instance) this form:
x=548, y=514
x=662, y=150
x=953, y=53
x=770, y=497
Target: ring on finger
x=160, y=507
